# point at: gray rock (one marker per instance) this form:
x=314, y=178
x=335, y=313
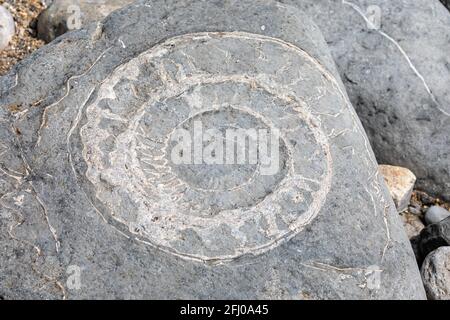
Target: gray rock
x=66, y=15
x=94, y=207
x=397, y=78
x=436, y=214
x=436, y=274
x=414, y=209
x=434, y=236
x=7, y=27
x=413, y=224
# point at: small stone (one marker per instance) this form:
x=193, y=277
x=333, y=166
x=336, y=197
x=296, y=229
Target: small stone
x=425, y=198
x=434, y=236
x=412, y=223
x=7, y=27
x=400, y=182
x=436, y=274
x=415, y=210
x=436, y=214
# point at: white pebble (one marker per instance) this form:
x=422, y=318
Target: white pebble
x=7, y=27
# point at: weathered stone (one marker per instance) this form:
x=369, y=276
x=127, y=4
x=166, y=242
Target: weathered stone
x=65, y=15
x=400, y=182
x=412, y=223
x=436, y=274
x=434, y=236
x=397, y=77
x=7, y=27
x=436, y=214
x=90, y=184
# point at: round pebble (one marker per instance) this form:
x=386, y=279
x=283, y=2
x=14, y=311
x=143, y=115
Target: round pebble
x=7, y=27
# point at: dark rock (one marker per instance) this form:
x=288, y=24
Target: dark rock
x=94, y=205
x=396, y=71
x=434, y=236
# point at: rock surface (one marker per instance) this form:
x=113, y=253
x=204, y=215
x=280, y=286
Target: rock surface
x=436, y=274
x=66, y=15
x=400, y=182
x=93, y=207
x=397, y=78
x=436, y=214
x=413, y=224
x=434, y=236
x=395, y=75
x=7, y=27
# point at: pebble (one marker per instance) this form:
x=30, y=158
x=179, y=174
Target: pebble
x=7, y=27
x=434, y=236
x=436, y=274
x=436, y=214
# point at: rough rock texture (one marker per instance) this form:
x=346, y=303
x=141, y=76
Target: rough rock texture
x=413, y=224
x=446, y=3
x=436, y=214
x=65, y=15
x=434, y=236
x=7, y=27
x=93, y=207
x=436, y=274
x=400, y=182
x=397, y=78
x=396, y=75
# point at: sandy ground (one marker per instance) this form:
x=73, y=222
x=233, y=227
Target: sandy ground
x=24, y=42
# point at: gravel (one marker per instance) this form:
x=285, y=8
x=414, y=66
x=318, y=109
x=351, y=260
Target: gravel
x=25, y=41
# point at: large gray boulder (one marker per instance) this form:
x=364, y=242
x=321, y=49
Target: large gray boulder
x=94, y=205
x=393, y=58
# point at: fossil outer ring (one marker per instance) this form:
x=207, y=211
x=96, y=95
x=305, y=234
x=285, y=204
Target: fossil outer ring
x=130, y=71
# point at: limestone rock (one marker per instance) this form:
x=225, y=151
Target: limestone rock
x=436, y=214
x=66, y=15
x=92, y=125
x=397, y=78
x=436, y=274
x=400, y=182
x=7, y=27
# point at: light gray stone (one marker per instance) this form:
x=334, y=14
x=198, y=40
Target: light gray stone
x=397, y=78
x=7, y=27
x=66, y=15
x=93, y=206
x=436, y=214
x=436, y=274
